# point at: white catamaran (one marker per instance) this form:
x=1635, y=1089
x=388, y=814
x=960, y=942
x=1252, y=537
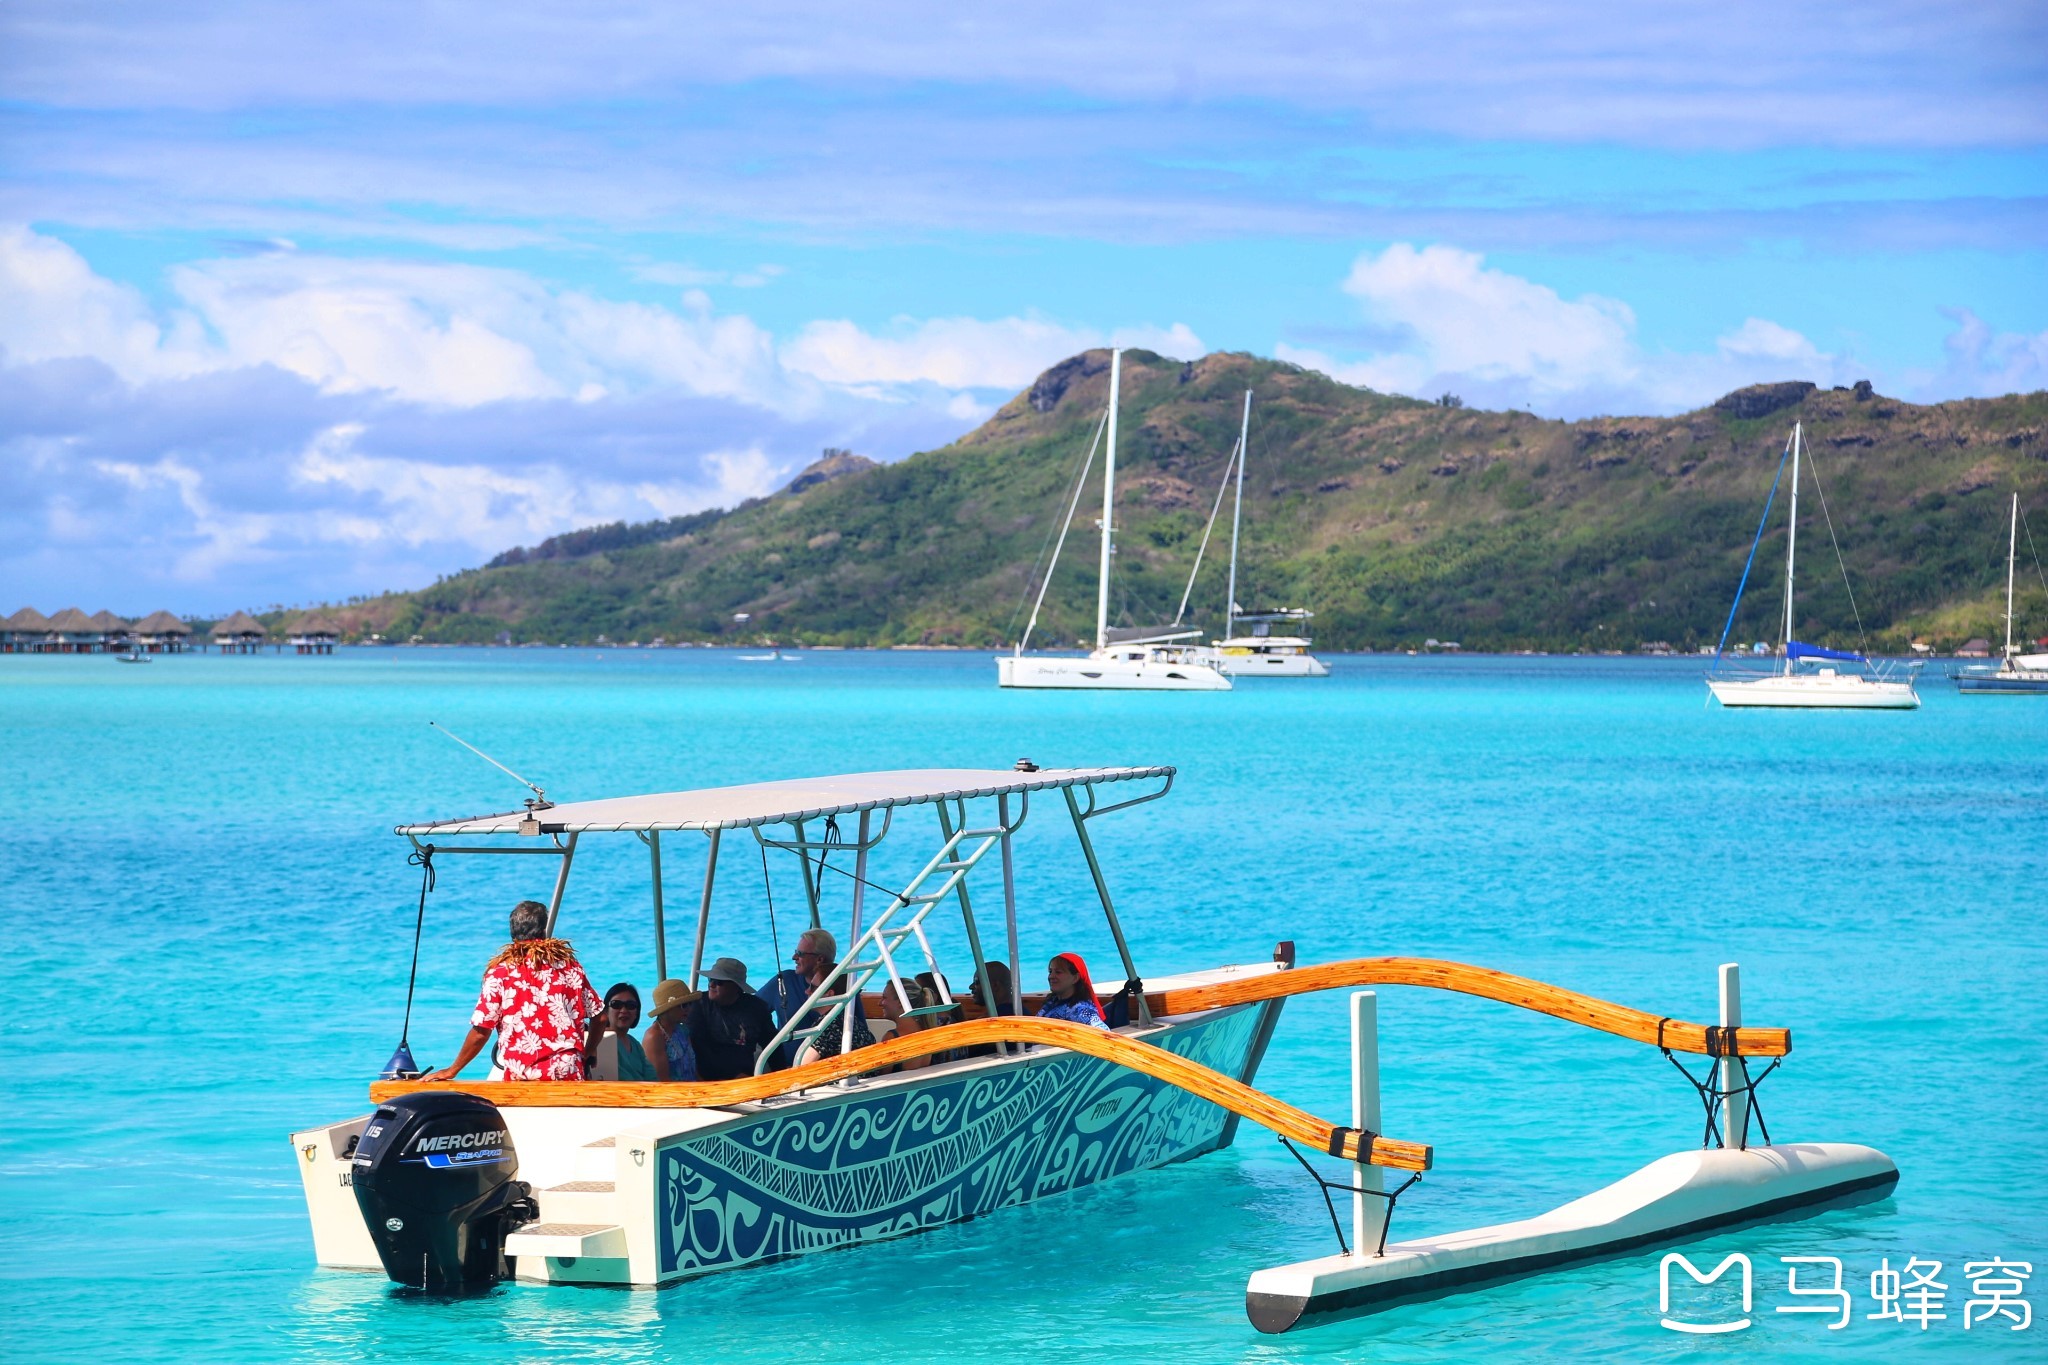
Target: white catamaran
x=455, y=1185
x=2015, y=674
x=1150, y=659
x=1824, y=683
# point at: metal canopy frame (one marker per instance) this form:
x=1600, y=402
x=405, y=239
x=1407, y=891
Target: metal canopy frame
x=835, y=994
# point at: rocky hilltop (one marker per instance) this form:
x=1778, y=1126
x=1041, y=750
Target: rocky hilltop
x=1395, y=520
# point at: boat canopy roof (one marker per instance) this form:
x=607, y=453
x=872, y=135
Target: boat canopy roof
x=1148, y=635
x=772, y=803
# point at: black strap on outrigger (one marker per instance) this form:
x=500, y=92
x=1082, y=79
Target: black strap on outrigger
x=1721, y=1043
x=1336, y=1224
x=402, y=1066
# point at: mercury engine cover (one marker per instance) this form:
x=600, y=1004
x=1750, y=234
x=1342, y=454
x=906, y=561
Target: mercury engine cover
x=433, y=1177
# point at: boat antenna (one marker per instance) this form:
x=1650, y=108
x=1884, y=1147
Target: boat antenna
x=539, y=799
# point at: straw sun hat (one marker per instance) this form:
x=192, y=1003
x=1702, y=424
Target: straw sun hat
x=671, y=993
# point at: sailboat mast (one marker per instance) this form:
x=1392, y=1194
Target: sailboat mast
x=2012, y=545
x=1791, y=544
x=1244, y=432
x=1116, y=369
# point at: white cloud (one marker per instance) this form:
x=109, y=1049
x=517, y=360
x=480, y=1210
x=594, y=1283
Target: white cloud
x=962, y=353
x=53, y=305
x=1982, y=362
x=1597, y=69
x=1455, y=325
x=489, y=508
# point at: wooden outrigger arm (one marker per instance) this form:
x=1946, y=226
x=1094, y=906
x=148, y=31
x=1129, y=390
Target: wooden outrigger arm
x=1438, y=974
x=1349, y=1143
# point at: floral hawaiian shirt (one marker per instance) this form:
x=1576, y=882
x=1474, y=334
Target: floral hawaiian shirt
x=540, y=1012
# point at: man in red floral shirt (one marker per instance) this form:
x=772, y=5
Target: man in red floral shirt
x=537, y=998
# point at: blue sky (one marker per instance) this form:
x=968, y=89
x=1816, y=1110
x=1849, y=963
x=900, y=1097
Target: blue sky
x=300, y=304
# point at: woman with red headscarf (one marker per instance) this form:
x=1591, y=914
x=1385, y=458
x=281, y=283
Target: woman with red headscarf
x=1070, y=995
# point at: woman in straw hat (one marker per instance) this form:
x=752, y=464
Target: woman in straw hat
x=667, y=1040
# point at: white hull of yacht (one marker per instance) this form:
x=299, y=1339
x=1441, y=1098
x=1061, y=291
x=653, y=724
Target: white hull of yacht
x=1256, y=665
x=1816, y=691
x=1108, y=674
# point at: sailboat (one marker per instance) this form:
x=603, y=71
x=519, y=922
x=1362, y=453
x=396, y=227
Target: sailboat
x=1261, y=653
x=2015, y=673
x=1150, y=659
x=1824, y=684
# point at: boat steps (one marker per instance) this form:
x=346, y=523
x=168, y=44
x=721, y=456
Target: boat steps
x=597, y=1160
x=579, y=1201
x=566, y=1240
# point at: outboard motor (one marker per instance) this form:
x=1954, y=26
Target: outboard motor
x=433, y=1177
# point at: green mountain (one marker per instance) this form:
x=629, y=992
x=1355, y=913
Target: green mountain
x=1393, y=519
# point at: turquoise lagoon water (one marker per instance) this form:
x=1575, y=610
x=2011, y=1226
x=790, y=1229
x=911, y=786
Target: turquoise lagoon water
x=210, y=921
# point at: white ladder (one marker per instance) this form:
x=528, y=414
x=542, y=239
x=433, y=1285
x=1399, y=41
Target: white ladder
x=836, y=993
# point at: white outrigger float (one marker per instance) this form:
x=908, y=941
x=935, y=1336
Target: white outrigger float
x=459, y=1184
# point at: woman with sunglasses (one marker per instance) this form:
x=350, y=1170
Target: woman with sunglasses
x=621, y=1015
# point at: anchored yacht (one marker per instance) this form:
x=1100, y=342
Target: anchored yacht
x=1155, y=659
x=2015, y=674
x=1812, y=676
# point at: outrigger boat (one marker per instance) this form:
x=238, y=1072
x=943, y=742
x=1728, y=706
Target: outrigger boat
x=459, y=1184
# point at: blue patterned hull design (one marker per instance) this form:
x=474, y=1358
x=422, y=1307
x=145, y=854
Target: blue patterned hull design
x=837, y=1171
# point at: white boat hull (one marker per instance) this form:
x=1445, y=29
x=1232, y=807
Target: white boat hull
x=1837, y=692
x=1272, y=666
x=1102, y=674
x=1672, y=1199
x=652, y=1196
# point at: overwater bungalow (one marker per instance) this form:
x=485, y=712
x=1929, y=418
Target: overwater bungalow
x=241, y=633
x=25, y=632
x=162, y=633
x=115, y=632
x=315, y=634
x=73, y=632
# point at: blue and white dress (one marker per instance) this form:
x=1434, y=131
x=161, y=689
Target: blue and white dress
x=1080, y=1011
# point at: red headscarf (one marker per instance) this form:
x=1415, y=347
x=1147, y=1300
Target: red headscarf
x=1087, y=983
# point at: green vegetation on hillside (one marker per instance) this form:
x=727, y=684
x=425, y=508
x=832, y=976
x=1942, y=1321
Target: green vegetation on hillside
x=1394, y=520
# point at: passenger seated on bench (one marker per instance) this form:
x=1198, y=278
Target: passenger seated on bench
x=893, y=1011
x=1070, y=995
x=667, y=1040
x=998, y=981
x=615, y=1054
x=731, y=1026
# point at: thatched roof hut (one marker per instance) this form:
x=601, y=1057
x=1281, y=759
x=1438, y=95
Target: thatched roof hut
x=27, y=629
x=162, y=625
x=111, y=626
x=73, y=626
x=315, y=634
x=240, y=626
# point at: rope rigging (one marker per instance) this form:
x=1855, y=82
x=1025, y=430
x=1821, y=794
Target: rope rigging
x=1754, y=541
x=1720, y=1045
x=1327, y=1185
x=401, y=1063
x=1066, y=523
x=1862, y=641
